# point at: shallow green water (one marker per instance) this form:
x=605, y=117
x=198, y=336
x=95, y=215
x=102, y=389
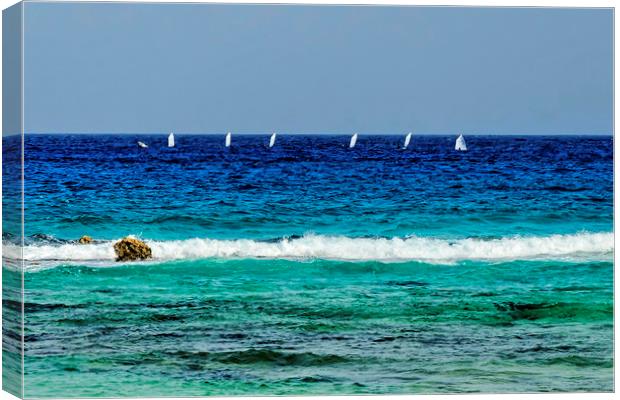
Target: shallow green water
x=213, y=327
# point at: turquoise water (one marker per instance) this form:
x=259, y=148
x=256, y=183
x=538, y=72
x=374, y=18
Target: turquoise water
x=311, y=268
x=282, y=327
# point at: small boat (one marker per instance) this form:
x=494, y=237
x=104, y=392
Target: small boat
x=353, y=141
x=171, y=140
x=407, y=140
x=460, y=144
x=272, y=139
x=142, y=144
x=228, y=139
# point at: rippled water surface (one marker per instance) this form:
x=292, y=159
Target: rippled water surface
x=311, y=268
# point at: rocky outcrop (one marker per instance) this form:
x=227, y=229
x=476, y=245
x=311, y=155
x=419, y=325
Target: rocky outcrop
x=131, y=249
x=85, y=240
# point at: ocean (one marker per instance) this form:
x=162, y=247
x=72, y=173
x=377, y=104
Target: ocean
x=312, y=268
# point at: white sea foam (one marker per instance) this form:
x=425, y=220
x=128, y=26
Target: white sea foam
x=432, y=250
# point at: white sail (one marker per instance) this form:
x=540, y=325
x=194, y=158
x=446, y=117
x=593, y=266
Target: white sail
x=228, y=139
x=171, y=140
x=143, y=145
x=272, y=140
x=353, y=141
x=407, y=140
x=460, y=144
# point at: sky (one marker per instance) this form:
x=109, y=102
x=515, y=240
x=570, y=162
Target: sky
x=213, y=68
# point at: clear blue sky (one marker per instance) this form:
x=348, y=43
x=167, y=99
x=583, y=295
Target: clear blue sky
x=197, y=68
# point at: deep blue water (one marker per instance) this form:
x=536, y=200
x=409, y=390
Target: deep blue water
x=106, y=186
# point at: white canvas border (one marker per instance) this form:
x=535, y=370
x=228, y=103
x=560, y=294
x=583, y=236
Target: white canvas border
x=477, y=3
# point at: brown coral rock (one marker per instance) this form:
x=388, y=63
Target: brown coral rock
x=85, y=239
x=131, y=249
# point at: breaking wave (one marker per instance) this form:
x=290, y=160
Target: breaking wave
x=423, y=249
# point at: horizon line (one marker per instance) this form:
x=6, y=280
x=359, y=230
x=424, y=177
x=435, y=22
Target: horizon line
x=266, y=132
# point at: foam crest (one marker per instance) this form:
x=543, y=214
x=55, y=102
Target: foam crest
x=395, y=249
x=433, y=250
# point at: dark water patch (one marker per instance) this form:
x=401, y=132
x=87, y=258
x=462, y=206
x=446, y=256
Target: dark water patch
x=86, y=321
x=107, y=330
x=484, y=294
x=575, y=289
x=234, y=336
x=406, y=283
x=247, y=186
x=194, y=367
x=335, y=337
x=566, y=311
x=42, y=307
x=263, y=356
x=387, y=339
x=498, y=323
x=412, y=330
x=548, y=349
x=557, y=188
x=29, y=338
x=511, y=306
x=310, y=379
x=581, y=361
x=168, y=335
x=279, y=358
x=499, y=187
x=11, y=334
x=165, y=317
x=12, y=305
x=270, y=342
x=106, y=290
x=170, y=305
x=517, y=311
